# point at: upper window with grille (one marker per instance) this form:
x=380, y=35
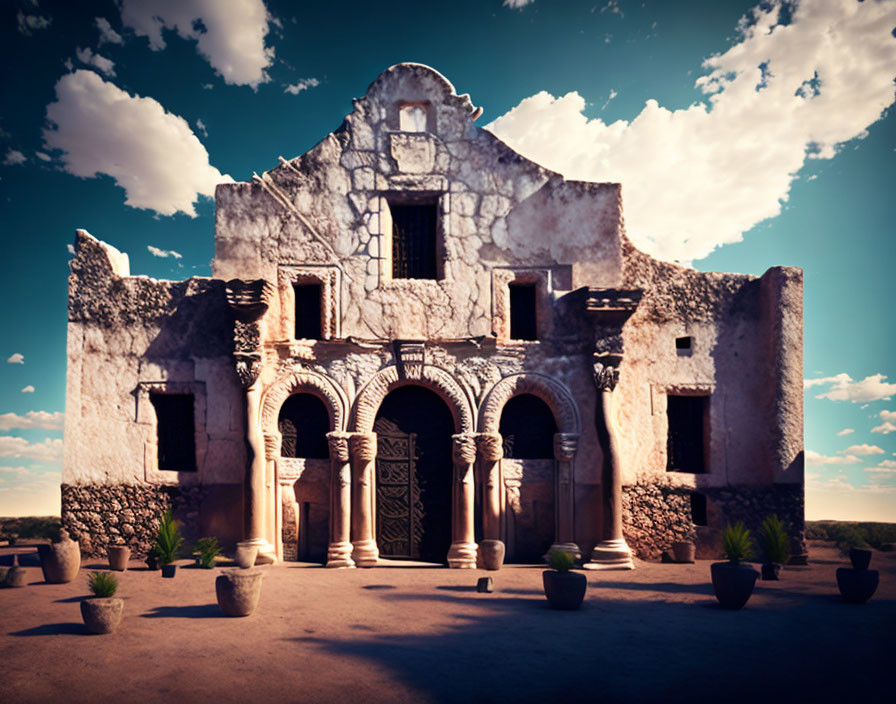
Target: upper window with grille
x=414, y=240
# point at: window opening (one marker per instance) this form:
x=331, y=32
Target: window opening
x=304, y=424
x=176, y=431
x=414, y=229
x=684, y=346
x=685, y=444
x=308, y=298
x=528, y=428
x=412, y=118
x=522, y=312
x=699, y=514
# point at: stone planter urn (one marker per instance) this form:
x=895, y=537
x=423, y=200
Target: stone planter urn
x=238, y=591
x=733, y=583
x=770, y=571
x=15, y=575
x=564, y=590
x=492, y=553
x=683, y=551
x=169, y=570
x=102, y=615
x=118, y=557
x=245, y=555
x=857, y=586
x=60, y=561
x=860, y=558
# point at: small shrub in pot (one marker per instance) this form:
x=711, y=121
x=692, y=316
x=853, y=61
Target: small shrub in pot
x=168, y=543
x=563, y=589
x=208, y=549
x=102, y=613
x=775, y=546
x=733, y=581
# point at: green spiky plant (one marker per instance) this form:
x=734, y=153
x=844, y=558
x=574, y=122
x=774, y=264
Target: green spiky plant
x=208, y=549
x=773, y=540
x=102, y=584
x=560, y=561
x=737, y=542
x=168, y=538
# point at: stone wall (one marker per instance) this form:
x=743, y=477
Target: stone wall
x=653, y=516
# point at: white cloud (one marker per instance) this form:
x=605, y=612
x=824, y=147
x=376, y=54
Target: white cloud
x=70, y=247
x=163, y=253
x=27, y=24
x=229, y=35
x=697, y=178
x=517, y=4
x=886, y=428
x=888, y=415
x=862, y=449
x=28, y=389
x=43, y=157
x=151, y=153
x=32, y=419
x=613, y=8
x=885, y=467
x=845, y=431
x=303, y=84
x=814, y=459
x=49, y=450
x=107, y=34
x=14, y=157
x=16, y=358
x=843, y=388
x=86, y=56
x=200, y=125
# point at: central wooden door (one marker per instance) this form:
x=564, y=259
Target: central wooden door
x=413, y=475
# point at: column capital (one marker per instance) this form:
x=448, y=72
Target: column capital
x=565, y=446
x=338, y=442
x=605, y=369
x=464, y=448
x=363, y=446
x=491, y=446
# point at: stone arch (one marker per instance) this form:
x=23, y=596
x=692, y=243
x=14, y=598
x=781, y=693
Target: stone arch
x=303, y=381
x=553, y=393
x=433, y=378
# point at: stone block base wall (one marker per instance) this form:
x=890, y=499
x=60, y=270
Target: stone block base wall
x=99, y=515
x=654, y=516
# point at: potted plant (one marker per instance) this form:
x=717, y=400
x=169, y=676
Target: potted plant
x=732, y=581
x=102, y=612
x=207, y=551
x=238, y=590
x=60, y=560
x=563, y=589
x=168, y=542
x=775, y=546
x=152, y=559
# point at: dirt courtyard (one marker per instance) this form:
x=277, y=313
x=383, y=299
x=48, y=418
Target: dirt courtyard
x=404, y=634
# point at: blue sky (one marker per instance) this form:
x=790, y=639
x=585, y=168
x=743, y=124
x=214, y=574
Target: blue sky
x=744, y=138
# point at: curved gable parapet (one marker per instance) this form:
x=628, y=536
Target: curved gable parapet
x=553, y=393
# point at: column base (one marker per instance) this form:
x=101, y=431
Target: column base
x=462, y=555
x=339, y=555
x=570, y=549
x=267, y=554
x=611, y=555
x=365, y=553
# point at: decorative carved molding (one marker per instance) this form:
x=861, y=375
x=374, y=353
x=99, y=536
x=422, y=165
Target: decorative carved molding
x=512, y=489
x=491, y=446
x=464, y=447
x=410, y=357
x=249, y=300
x=605, y=369
x=339, y=446
x=552, y=392
x=565, y=446
x=272, y=445
x=246, y=337
x=363, y=446
x=248, y=367
x=434, y=378
x=612, y=306
x=301, y=380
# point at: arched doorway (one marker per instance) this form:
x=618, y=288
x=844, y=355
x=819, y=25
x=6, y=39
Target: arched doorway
x=413, y=475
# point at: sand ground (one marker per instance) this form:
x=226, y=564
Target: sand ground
x=404, y=634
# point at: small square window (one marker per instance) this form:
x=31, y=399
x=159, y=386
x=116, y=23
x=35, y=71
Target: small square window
x=412, y=118
x=176, y=431
x=523, y=322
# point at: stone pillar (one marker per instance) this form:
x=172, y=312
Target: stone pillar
x=339, y=554
x=491, y=452
x=612, y=552
x=565, y=445
x=255, y=519
x=462, y=553
x=362, y=448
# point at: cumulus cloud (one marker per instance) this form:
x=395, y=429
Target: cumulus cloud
x=814, y=459
x=163, y=253
x=846, y=431
x=844, y=388
x=28, y=24
x=107, y=34
x=862, y=449
x=151, y=153
x=200, y=125
x=16, y=358
x=28, y=389
x=44, y=451
x=303, y=84
x=697, y=178
x=230, y=36
x=517, y=4
x=14, y=157
x=885, y=428
x=86, y=56
x=885, y=467
x=32, y=419
x=43, y=157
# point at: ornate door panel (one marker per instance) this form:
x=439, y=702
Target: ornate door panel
x=399, y=509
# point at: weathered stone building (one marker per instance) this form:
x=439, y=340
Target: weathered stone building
x=415, y=338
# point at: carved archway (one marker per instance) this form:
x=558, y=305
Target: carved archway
x=303, y=381
x=553, y=393
x=433, y=378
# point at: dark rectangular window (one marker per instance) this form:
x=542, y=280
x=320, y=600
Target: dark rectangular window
x=307, y=311
x=414, y=228
x=176, y=431
x=522, y=312
x=685, y=446
x=684, y=346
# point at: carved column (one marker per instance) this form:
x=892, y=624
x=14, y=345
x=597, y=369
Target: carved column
x=462, y=553
x=362, y=447
x=491, y=452
x=565, y=445
x=286, y=509
x=339, y=554
x=612, y=552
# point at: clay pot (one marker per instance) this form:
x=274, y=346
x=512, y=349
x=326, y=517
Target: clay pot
x=152, y=561
x=770, y=571
x=102, y=615
x=60, y=561
x=683, y=550
x=492, y=554
x=860, y=558
x=238, y=591
x=118, y=557
x=857, y=586
x=564, y=590
x=245, y=555
x=733, y=583
x=15, y=575
x=169, y=570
